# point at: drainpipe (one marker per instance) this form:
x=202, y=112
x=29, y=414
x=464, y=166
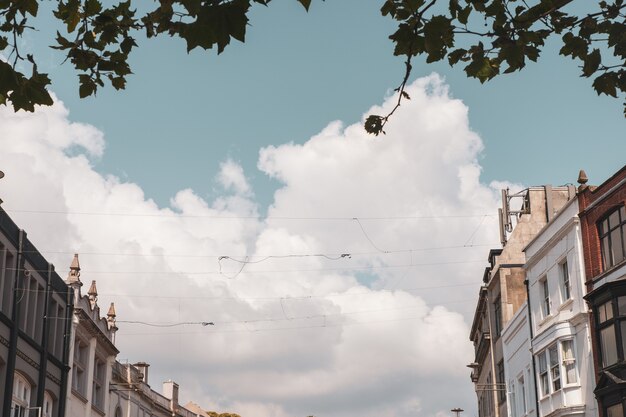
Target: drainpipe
x=15, y=315
x=492, y=354
x=43, y=352
x=532, y=356
x=67, y=344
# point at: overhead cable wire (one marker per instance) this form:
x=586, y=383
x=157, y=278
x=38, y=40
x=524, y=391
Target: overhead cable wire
x=290, y=297
x=263, y=271
x=330, y=256
x=254, y=217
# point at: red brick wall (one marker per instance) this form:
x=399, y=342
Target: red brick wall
x=591, y=243
x=590, y=216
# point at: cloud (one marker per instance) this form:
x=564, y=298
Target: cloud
x=351, y=298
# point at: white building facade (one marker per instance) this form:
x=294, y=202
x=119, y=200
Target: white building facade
x=520, y=384
x=560, y=332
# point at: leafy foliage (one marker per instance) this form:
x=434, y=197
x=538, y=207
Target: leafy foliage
x=486, y=37
x=493, y=37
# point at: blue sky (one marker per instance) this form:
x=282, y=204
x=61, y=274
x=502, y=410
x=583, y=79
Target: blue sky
x=183, y=113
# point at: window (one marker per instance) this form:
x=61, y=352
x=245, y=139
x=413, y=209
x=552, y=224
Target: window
x=556, y=362
x=566, y=289
x=545, y=292
x=512, y=399
x=616, y=410
x=522, y=391
x=497, y=310
x=21, y=396
x=48, y=403
x=500, y=384
x=79, y=370
x=97, y=392
x=543, y=374
x=612, y=234
x=6, y=280
x=611, y=328
x=569, y=361
x=555, y=373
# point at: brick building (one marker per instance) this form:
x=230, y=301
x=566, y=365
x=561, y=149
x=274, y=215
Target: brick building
x=603, y=227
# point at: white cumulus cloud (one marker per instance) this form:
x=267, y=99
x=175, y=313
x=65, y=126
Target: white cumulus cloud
x=351, y=298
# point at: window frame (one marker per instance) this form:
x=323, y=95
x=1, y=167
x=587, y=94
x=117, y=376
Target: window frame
x=98, y=382
x=545, y=297
x=521, y=382
x=611, y=322
x=79, y=367
x=500, y=382
x=21, y=396
x=565, y=281
x=497, y=312
x=605, y=237
x=552, y=367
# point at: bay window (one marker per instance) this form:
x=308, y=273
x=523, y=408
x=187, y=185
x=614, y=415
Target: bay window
x=557, y=367
x=611, y=328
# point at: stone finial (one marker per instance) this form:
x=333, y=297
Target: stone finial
x=93, y=294
x=73, y=277
x=111, y=313
x=582, y=180
x=111, y=320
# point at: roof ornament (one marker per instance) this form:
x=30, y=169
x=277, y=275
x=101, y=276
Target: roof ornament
x=582, y=180
x=74, y=275
x=93, y=295
x=111, y=319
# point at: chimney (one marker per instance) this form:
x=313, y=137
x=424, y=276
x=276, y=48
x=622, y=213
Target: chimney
x=170, y=391
x=143, y=368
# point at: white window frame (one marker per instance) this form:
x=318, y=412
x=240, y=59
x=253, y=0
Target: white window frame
x=98, y=382
x=21, y=396
x=545, y=297
x=565, y=280
x=543, y=373
x=521, y=382
x=48, y=405
x=79, y=367
x=552, y=371
x=512, y=399
x=567, y=361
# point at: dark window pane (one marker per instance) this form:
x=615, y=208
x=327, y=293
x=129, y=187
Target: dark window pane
x=614, y=219
x=616, y=410
x=623, y=331
x=604, y=227
x=609, y=346
x=606, y=253
x=621, y=305
x=616, y=243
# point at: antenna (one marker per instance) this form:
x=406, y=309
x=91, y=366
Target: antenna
x=505, y=210
x=502, y=227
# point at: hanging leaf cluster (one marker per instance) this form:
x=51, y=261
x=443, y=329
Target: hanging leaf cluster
x=97, y=38
x=493, y=37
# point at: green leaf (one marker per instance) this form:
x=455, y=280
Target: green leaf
x=92, y=7
x=464, y=14
x=374, y=124
x=591, y=63
x=606, y=84
x=455, y=56
x=306, y=4
x=87, y=87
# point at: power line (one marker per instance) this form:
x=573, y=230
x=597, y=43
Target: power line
x=266, y=271
x=257, y=217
